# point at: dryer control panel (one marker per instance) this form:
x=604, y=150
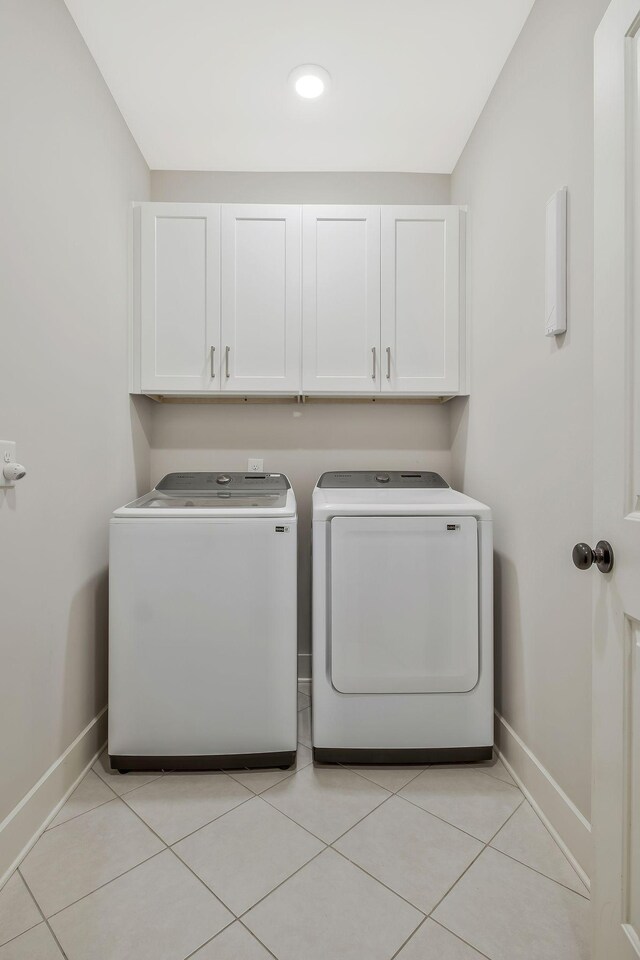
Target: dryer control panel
x=380, y=479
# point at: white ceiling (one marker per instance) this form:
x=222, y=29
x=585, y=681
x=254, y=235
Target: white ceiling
x=202, y=84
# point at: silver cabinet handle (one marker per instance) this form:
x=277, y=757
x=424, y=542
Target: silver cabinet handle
x=226, y=361
x=373, y=368
x=213, y=357
x=388, y=363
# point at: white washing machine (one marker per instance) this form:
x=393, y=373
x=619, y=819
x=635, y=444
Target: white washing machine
x=402, y=620
x=202, y=624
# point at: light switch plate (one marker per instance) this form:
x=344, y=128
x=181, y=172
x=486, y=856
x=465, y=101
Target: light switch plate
x=7, y=455
x=255, y=466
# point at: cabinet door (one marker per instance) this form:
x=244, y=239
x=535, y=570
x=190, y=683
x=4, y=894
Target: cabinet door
x=420, y=297
x=341, y=299
x=261, y=276
x=180, y=297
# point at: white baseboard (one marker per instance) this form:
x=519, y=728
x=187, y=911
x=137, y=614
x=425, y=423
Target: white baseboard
x=30, y=818
x=569, y=828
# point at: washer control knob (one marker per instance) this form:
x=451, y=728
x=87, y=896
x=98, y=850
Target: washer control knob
x=382, y=477
x=223, y=478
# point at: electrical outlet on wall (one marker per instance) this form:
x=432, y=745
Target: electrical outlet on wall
x=255, y=466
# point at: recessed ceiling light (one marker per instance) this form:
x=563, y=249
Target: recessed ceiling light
x=309, y=81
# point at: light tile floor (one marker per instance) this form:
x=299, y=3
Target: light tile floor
x=315, y=863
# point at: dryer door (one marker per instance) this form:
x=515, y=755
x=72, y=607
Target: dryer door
x=404, y=604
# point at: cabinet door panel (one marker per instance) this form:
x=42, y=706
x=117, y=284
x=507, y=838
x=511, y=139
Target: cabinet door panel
x=420, y=299
x=341, y=299
x=261, y=277
x=180, y=296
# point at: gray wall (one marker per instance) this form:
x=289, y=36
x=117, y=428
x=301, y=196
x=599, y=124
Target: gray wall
x=68, y=169
x=234, y=187
x=523, y=441
x=302, y=441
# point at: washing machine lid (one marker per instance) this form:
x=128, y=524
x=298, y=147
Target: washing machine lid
x=228, y=494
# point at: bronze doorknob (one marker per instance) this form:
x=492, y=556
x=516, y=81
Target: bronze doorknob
x=583, y=556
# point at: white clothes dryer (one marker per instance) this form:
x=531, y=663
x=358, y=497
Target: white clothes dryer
x=402, y=620
x=202, y=624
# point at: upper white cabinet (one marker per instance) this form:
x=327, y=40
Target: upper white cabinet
x=420, y=299
x=341, y=299
x=261, y=274
x=285, y=299
x=179, y=296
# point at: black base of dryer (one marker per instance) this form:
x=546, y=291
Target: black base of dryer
x=419, y=755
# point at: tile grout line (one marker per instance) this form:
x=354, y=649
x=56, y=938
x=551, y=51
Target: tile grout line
x=539, y=872
x=587, y=894
x=208, y=888
x=75, y=817
x=455, y=825
x=159, y=775
x=464, y=872
x=107, y=882
x=251, y=933
x=32, y=927
x=458, y=937
x=428, y=915
x=191, y=832
x=235, y=915
x=287, y=775
x=78, y=815
x=409, y=938
x=328, y=844
x=140, y=786
x=383, y=884
x=220, y=932
x=102, y=885
x=358, y=822
x=395, y=792
x=41, y=912
x=468, y=867
x=509, y=783
x=244, y=913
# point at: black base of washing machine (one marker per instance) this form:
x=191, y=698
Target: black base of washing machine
x=230, y=761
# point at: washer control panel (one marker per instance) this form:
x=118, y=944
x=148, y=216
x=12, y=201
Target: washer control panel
x=389, y=479
x=252, y=483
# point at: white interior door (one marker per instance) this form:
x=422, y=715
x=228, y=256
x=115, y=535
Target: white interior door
x=616, y=640
x=420, y=299
x=180, y=296
x=341, y=299
x=404, y=604
x=261, y=278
